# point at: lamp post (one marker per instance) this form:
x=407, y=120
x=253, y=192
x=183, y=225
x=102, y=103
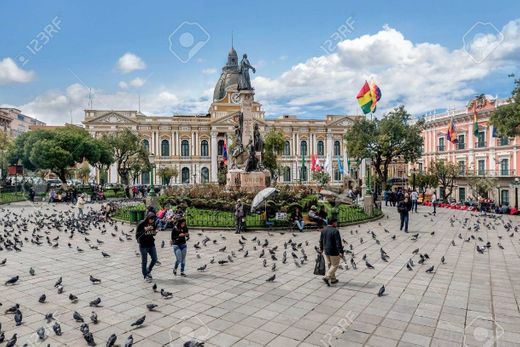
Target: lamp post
x=413, y=177
x=194, y=178
x=152, y=166
x=515, y=184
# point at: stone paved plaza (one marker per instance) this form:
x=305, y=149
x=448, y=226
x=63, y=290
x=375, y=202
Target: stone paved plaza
x=472, y=299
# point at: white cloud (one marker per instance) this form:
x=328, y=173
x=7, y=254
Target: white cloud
x=209, y=71
x=422, y=76
x=137, y=82
x=123, y=85
x=11, y=73
x=130, y=62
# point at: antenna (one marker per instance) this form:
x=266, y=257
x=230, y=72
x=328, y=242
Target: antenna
x=231, y=38
x=139, y=101
x=90, y=98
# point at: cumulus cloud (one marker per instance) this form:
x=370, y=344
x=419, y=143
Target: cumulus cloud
x=209, y=71
x=123, y=85
x=129, y=62
x=11, y=73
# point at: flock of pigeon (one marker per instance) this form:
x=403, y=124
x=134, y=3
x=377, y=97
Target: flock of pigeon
x=19, y=229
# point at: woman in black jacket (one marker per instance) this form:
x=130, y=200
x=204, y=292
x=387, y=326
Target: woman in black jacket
x=404, y=207
x=145, y=237
x=178, y=241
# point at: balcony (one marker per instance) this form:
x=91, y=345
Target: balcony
x=461, y=145
x=441, y=148
x=489, y=173
x=480, y=144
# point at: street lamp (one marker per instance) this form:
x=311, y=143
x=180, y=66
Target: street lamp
x=194, y=178
x=152, y=166
x=515, y=184
x=413, y=177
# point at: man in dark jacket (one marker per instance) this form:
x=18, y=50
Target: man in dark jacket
x=332, y=248
x=404, y=207
x=145, y=237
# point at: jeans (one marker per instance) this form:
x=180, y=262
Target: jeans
x=414, y=206
x=404, y=221
x=180, y=256
x=332, y=263
x=239, y=224
x=434, y=208
x=80, y=213
x=144, y=259
x=161, y=223
x=299, y=224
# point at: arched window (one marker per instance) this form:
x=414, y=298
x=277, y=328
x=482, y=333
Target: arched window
x=185, y=175
x=166, y=180
x=220, y=147
x=337, y=175
x=287, y=174
x=165, y=148
x=204, y=174
x=337, y=148
x=145, y=177
x=185, y=148
x=321, y=148
x=287, y=148
x=303, y=148
x=304, y=174
x=204, y=151
x=146, y=145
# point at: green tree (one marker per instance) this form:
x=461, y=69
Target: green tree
x=481, y=186
x=322, y=177
x=130, y=156
x=166, y=173
x=83, y=174
x=383, y=140
x=445, y=173
x=5, y=143
x=273, y=147
x=506, y=118
x=424, y=181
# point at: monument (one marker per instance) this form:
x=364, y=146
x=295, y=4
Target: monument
x=247, y=172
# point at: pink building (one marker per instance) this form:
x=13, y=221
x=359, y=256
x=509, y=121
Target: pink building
x=482, y=154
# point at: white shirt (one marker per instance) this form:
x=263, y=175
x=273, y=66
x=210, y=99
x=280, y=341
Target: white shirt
x=414, y=196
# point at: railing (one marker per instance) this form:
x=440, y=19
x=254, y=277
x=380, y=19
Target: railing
x=441, y=148
x=480, y=144
x=461, y=145
x=489, y=173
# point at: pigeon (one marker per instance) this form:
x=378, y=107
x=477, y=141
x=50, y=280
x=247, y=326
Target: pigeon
x=154, y=287
x=12, y=309
x=202, y=268
x=193, y=344
x=106, y=255
x=138, y=322
x=165, y=294
x=32, y=272
x=409, y=267
x=94, y=280
x=443, y=260
x=77, y=317
x=73, y=298
x=42, y=298
x=12, y=280
x=94, y=318
x=89, y=338
x=12, y=341
x=95, y=303
x=18, y=317
x=111, y=340
x=41, y=333
x=129, y=341
x=2, y=263
x=271, y=279
x=57, y=328
x=58, y=282
x=381, y=291
x=49, y=317
x=430, y=269
x=151, y=307
x=370, y=266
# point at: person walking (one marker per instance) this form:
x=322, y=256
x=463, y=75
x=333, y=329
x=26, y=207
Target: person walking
x=179, y=236
x=145, y=236
x=386, y=196
x=414, y=197
x=239, y=216
x=434, y=202
x=404, y=207
x=297, y=219
x=80, y=204
x=332, y=247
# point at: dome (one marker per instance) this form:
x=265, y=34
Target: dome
x=228, y=77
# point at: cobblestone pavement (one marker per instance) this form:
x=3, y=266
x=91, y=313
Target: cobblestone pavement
x=472, y=299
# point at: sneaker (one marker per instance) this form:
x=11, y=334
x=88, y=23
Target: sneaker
x=149, y=277
x=334, y=281
x=183, y=274
x=175, y=272
x=326, y=280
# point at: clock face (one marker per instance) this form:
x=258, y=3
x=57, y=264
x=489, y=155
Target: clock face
x=235, y=98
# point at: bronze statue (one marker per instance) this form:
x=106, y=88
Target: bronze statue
x=259, y=143
x=252, y=161
x=239, y=130
x=244, y=81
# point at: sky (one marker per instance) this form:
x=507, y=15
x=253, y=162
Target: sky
x=311, y=57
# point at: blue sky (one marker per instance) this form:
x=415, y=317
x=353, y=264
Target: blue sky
x=284, y=40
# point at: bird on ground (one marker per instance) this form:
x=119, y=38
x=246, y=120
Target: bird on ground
x=105, y=254
x=443, y=260
x=138, y=322
x=77, y=317
x=381, y=291
x=95, y=302
x=49, y=317
x=73, y=298
x=57, y=328
x=154, y=287
x=94, y=318
x=370, y=266
x=430, y=269
x=89, y=338
x=151, y=307
x=408, y=266
x=271, y=279
x=2, y=263
x=202, y=268
x=58, y=282
x=12, y=280
x=32, y=272
x=42, y=298
x=12, y=309
x=111, y=340
x=18, y=317
x=94, y=280
x=165, y=294
x=12, y=341
x=193, y=344
x=129, y=341
x=41, y=333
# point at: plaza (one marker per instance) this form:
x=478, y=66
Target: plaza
x=471, y=299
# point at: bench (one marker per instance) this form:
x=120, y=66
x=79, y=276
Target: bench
x=308, y=222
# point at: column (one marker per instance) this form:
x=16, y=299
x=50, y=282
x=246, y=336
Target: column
x=330, y=146
x=214, y=153
x=172, y=144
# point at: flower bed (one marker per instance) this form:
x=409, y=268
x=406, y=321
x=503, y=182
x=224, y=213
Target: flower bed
x=6, y=198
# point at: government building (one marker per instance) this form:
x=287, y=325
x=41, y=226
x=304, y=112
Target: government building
x=194, y=144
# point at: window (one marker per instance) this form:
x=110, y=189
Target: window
x=303, y=148
x=204, y=174
x=460, y=142
x=185, y=175
x=337, y=175
x=185, y=148
x=165, y=148
x=504, y=167
x=321, y=148
x=504, y=197
x=287, y=174
x=441, y=144
x=287, y=148
x=303, y=174
x=504, y=141
x=462, y=168
x=220, y=147
x=421, y=168
x=337, y=148
x=204, y=148
x=462, y=194
x=145, y=178
x=165, y=181
x=480, y=140
x=481, y=167
x=146, y=145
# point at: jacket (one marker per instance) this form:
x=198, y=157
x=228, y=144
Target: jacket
x=179, y=240
x=145, y=234
x=404, y=207
x=330, y=241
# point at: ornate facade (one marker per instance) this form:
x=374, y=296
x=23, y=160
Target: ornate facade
x=194, y=143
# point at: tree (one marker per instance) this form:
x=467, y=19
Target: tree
x=273, y=146
x=446, y=173
x=57, y=150
x=166, y=173
x=130, y=156
x=506, y=118
x=83, y=173
x=424, y=181
x=322, y=177
x=383, y=140
x=481, y=186
x=5, y=142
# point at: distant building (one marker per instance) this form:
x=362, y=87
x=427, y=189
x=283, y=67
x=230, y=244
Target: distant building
x=15, y=123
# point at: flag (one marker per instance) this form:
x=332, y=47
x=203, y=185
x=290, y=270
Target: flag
x=475, y=122
x=493, y=131
x=318, y=164
x=224, y=152
x=364, y=98
x=452, y=134
x=303, y=166
x=375, y=95
x=340, y=166
x=313, y=162
x=327, y=163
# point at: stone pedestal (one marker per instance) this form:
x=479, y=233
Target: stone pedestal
x=251, y=182
x=368, y=204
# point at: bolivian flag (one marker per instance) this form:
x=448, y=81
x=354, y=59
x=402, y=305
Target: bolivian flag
x=368, y=97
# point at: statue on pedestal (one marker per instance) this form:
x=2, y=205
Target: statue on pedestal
x=244, y=81
x=259, y=143
x=239, y=130
x=252, y=161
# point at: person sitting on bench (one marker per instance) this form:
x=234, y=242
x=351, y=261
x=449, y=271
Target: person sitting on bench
x=297, y=218
x=315, y=217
